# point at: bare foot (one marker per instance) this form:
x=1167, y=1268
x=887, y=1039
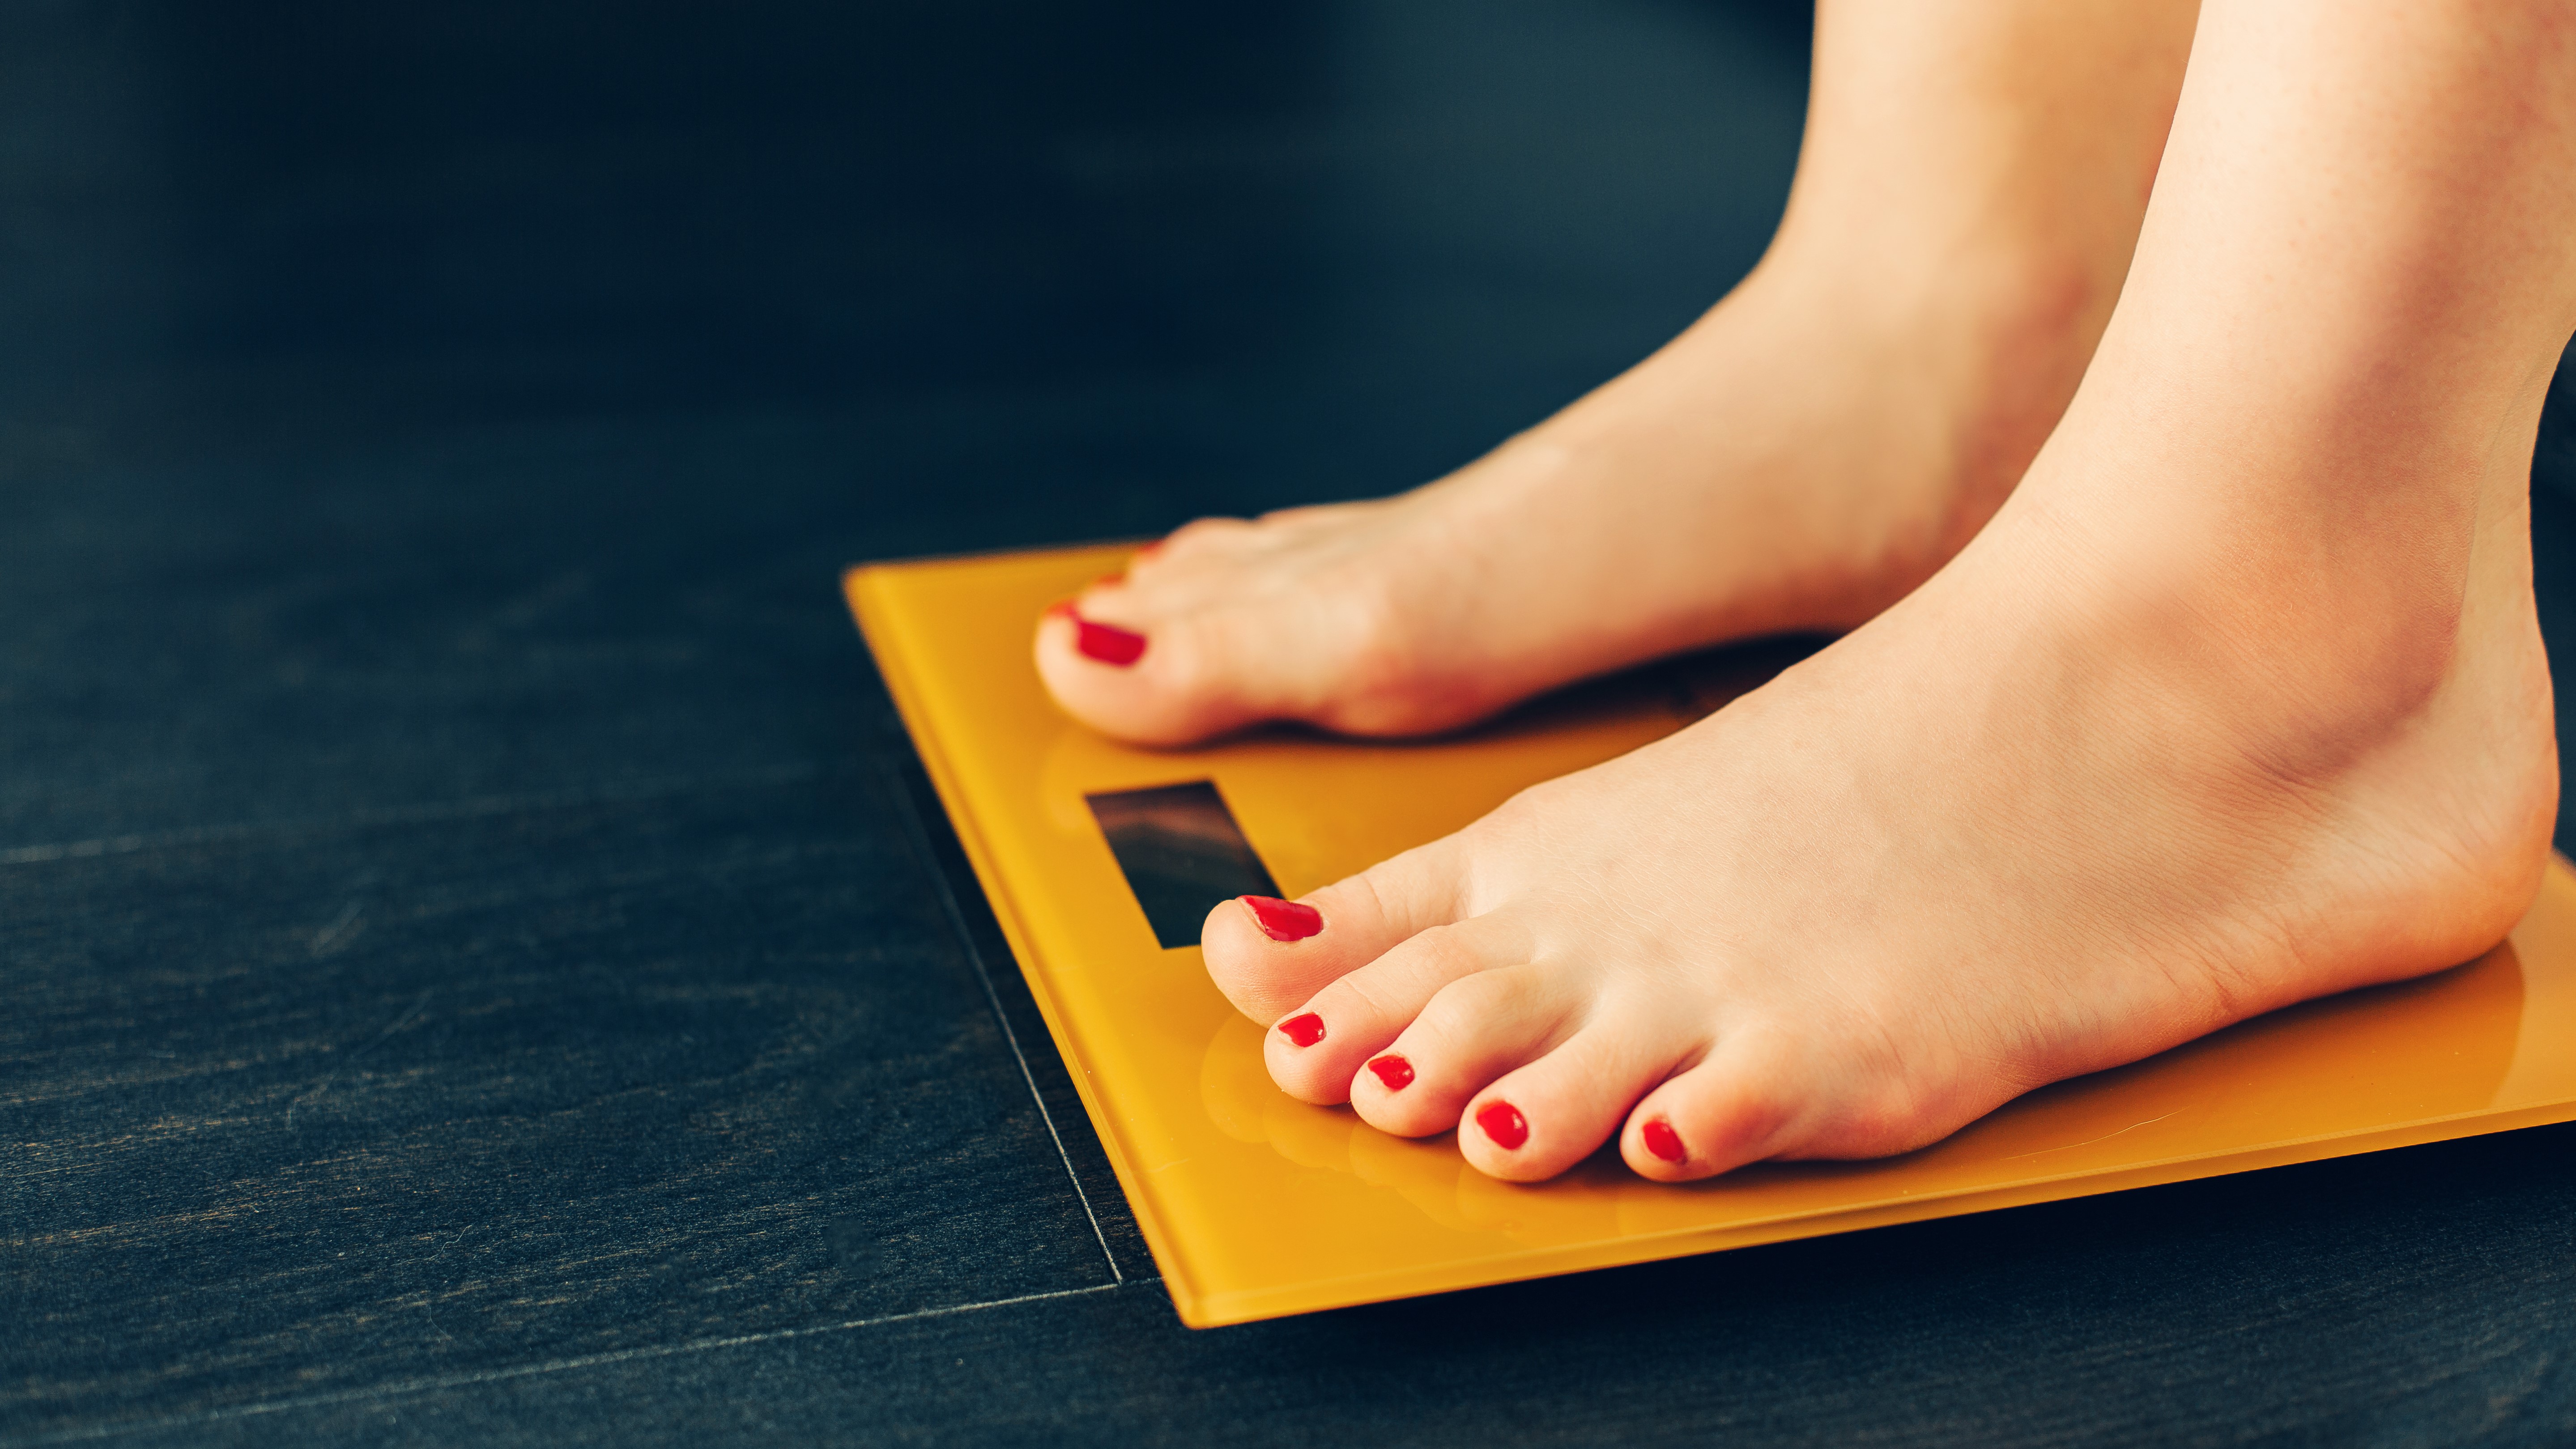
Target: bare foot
x=2013, y=831
x=1809, y=451
x=2239, y=700
x=1762, y=474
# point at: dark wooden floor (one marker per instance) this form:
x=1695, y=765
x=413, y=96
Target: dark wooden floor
x=479, y=963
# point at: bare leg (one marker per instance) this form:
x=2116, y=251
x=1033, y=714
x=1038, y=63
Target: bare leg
x=2239, y=700
x=1804, y=455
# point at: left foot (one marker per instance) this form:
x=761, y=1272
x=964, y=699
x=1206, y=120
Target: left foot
x=2094, y=790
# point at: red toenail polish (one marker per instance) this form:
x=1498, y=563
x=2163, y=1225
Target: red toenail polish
x=1663, y=1141
x=1107, y=579
x=1303, y=1030
x=1106, y=642
x=1395, y=1072
x=1284, y=920
x=1504, y=1123
x=1149, y=550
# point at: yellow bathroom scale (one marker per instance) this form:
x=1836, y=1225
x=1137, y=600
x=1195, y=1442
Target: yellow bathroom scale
x=1100, y=860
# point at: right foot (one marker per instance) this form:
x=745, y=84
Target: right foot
x=1797, y=461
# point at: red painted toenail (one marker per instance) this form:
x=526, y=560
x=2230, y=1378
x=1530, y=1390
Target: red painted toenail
x=1149, y=550
x=1106, y=642
x=1303, y=1030
x=1284, y=920
x=1107, y=579
x=1396, y=1072
x=1663, y=1141
x=1504, y=1123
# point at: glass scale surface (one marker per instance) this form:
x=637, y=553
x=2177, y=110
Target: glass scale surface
x=1100, y=859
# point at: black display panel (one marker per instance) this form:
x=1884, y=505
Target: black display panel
x=1181, y=852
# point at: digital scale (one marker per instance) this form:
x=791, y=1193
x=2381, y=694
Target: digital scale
x=1101, y=860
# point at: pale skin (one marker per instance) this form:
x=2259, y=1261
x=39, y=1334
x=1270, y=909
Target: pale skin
x=2183, y=543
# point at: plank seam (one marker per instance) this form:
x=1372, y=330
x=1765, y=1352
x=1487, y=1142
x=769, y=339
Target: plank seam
x=402, y=1387
x=470, y=808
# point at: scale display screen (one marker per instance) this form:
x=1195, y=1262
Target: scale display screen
x=1182, y=854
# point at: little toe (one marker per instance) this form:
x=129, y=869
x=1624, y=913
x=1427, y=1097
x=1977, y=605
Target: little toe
x=1537, y=1121
x=1739, y=1105
x=1267, y=960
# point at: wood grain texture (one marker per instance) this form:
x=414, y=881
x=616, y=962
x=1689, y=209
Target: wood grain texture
x=379, y=1102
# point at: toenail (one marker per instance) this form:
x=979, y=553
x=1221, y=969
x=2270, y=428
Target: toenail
x=1105, y=642
x=1504, y=1123
x=1303, y=1030
x=1106, y=580
x=1284, y=920
x=1148, y=550
x=1663, y=1141
x=1395, y=1072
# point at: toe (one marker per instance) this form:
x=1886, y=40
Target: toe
x=1319, y=1049
x=1739, y=1105
x=1473, y=1030
x=1537, y=1121
x=1230, y=623
x=1119, y=665
x=1266, y=971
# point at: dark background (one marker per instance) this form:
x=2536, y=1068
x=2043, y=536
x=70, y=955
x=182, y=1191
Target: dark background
x=478, y=961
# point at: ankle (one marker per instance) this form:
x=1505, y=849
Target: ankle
x=1975, y=352
x=2311, y=635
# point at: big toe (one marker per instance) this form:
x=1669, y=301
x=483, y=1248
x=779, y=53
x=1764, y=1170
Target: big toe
x=1231, y=623
x=1136, y=673
x=1271, y=956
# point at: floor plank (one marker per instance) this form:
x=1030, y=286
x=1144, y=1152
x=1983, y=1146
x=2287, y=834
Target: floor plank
x=337, y=1105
